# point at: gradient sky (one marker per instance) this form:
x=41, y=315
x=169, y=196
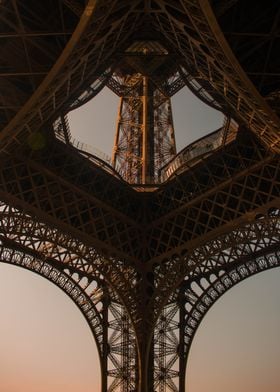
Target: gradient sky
x=46, y=345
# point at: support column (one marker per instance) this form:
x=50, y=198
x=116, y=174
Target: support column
x=147, y=133
x=144, y=139
x=104, y=365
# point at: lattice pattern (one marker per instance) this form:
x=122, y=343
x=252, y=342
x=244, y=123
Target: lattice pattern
x=203, y=48
x=67, y=191
x=199, y=202
x=223, y=268
x=63, y=204
x=65, y=251
x=106, y=318
x=68, y=76
x=145, y=138
x=122, y=356
x=166, y=343
x=166, y=255
x=200, y=295
x=181, y=318
x=87, y=294
x=223, y=252
x=187, y=29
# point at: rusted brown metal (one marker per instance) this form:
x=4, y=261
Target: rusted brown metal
x=135, y=245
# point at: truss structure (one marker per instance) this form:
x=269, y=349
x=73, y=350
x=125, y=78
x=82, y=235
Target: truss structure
x=144, y=246
x=145, y=139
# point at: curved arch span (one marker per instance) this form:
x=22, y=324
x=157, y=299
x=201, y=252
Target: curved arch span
x=181, y=317
x=102, y=309
x=89, y=303
x=217, y=284
x=209, y=271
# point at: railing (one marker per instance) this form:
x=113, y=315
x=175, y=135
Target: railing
x=61, y=129
x=86, y=148
x=96, y=156
x=186, y=158
x=62, y=132
x=200, y=148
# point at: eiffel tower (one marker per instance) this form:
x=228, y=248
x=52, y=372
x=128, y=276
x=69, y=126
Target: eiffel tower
x=144, y=244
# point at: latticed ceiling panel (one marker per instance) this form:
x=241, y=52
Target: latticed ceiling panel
x=252, y=31
x=207, y=175
x=215, y=212
x=184, y=28
x=107, y=213
x=32, y=36
x=63, y=204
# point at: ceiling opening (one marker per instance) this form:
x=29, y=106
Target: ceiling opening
x=95, y=122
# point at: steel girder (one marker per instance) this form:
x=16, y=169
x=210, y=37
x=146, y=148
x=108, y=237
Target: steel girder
x=32, y=36
x=189, y=27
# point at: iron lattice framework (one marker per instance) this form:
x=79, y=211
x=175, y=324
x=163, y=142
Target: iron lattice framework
x=144, y=140
x=144, y=248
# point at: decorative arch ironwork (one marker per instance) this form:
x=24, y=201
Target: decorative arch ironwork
x=181, y=317
x=87, y=293
x=106, y=316
x=232, y=258
x=200, y=295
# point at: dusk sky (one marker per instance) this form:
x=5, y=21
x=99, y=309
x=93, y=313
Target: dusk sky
x=46, y=344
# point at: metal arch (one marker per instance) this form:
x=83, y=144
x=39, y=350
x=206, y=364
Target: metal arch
x=105, y=315
x=58, y=247
x=80, y=290
x=217, y=284
x=181, y=317
x=56, y=253
x=212, y=269
x=224, y=251
x=189, y=229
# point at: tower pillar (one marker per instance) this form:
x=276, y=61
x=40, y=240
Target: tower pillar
x=144, y=139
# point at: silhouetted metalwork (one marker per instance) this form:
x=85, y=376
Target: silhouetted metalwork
x=145, y=244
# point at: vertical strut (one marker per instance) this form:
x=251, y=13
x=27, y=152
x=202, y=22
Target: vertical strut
x=121, y=359
x=144, y=139
x=181, y=346
x=104, y=359
x=148, y=136
x=145, y=132
x=117, y=135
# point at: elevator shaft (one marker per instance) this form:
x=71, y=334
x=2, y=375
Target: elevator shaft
x=144, y=140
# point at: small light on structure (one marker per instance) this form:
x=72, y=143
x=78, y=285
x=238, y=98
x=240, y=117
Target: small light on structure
x=37, y=140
